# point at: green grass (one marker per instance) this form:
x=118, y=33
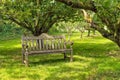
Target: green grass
x=95, y=58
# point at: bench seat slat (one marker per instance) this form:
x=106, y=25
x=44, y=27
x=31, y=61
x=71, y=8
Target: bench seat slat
x=49, y=51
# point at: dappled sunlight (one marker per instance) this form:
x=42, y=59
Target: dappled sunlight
x=17, y=46
x=92, y=40
x=12, y=43
x=83, y=58
x=1, y=46
x=78, y=65
x=92, y=58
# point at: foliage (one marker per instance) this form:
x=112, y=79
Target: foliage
x=94, y=58
x=9, y=31
x=107, y=12
x=38, y=16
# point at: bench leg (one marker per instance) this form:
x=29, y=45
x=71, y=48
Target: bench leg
x=65, y=56
x=26, y=59
x=71, y=56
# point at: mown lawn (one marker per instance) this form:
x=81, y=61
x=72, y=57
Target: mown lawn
x=95, y=58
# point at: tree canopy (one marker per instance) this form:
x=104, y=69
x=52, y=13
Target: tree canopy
x=37, y=16
x=107, y=16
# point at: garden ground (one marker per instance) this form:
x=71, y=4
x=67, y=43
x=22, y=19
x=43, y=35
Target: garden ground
x=95, y=58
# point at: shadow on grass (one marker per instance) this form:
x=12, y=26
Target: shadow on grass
x=93, y=49
x=91, y=62
x=10, y=57
x=88, y=73
x=13, y=58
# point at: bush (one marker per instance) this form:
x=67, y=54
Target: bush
x=8, y=31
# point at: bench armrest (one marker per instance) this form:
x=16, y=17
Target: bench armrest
x=24, y=45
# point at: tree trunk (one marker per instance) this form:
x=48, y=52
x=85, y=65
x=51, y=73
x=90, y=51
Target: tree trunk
x=88, y=32
x=109, y=35
x=112, y=37
x=81, y=34
x=94, y=32
x=118, y=35
x=69, y=36
x=118, y=43
x=37, y=33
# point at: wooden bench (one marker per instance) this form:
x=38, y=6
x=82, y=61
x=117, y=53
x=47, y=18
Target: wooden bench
x=42, y=45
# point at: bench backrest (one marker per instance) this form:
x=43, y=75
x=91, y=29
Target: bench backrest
x=43, y=43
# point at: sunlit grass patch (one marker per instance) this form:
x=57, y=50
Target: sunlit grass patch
x=95, y=58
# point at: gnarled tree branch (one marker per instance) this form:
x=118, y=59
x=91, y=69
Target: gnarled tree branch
x=80, y=5
x=22, y=24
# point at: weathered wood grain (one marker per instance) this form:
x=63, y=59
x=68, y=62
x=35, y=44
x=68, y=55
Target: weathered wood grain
x=39, y=45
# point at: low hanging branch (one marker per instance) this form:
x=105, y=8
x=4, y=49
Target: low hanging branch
x=113, y=30
x=23, y=24
x=80, y=5
x=87, y=17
